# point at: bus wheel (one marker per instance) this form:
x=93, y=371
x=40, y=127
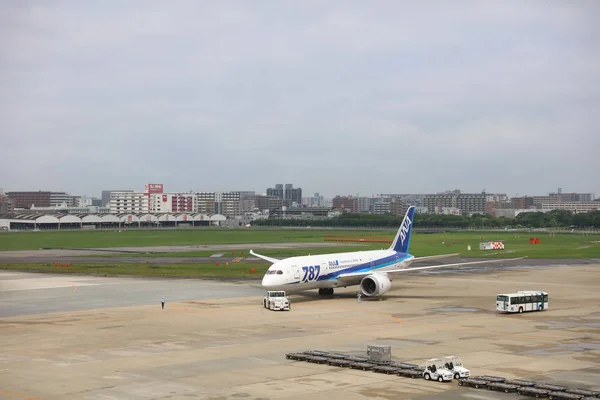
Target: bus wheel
x=520, y=309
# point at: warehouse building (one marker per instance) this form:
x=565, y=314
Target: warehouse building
x=58, y=221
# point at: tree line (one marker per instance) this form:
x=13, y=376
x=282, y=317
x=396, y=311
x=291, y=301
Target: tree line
x=551, y=219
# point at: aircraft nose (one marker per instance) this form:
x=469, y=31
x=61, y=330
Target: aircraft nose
x=267, y=281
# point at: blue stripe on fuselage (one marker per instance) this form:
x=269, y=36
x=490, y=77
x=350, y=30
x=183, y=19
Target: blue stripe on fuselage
x=363, y=267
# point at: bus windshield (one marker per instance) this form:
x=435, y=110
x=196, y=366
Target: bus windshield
x=501, y=298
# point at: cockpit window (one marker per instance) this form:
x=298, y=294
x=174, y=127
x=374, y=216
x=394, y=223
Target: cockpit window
x=279, y=272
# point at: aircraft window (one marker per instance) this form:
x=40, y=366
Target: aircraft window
x=279, y=272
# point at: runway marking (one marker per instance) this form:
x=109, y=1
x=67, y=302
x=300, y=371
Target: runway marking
x=179, y=307
x=18, y=395
x=385, y=315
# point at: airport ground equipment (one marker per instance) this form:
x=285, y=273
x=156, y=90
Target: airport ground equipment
x=435, y=370
x=522, y=387
x=317, y=359
x=339, y=363
x=336, y=356
x=361, y=365
x=406, y=366
x=386, y=369
x=357, y=359
x=316, y=353
x=564, y=395
x=532, y=392
x=473, y=382
x=584, y=392
x=520, y=382
x=296, y=356
x=502, y=387
x=550, y=387
x=409, y=373
x=455, y=364
x=276, y=300
x=379, y=353
x=489, y=378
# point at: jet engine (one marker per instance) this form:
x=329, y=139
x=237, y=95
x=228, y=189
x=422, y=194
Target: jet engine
x=375, y=285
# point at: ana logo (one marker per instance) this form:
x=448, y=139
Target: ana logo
x=404, y=229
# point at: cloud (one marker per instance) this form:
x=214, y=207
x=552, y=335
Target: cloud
x=384, y=96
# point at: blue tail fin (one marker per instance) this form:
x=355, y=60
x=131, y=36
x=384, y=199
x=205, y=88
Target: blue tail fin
x=402, y=240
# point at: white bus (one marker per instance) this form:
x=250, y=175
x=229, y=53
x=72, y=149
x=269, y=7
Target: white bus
x=523, y=300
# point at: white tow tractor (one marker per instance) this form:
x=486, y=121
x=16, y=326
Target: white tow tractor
x=276, y=300
x=455, y=365
x=434, y=370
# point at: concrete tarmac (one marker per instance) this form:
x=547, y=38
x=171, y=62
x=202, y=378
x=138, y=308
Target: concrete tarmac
x=215, y=341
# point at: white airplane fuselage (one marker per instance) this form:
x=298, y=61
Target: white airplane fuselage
x=322, y=271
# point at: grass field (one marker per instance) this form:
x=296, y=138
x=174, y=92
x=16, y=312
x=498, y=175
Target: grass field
x=95, y=239
x=205, y=270
x=516, y=245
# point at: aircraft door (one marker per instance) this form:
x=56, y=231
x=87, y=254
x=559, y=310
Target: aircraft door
x=296, y=271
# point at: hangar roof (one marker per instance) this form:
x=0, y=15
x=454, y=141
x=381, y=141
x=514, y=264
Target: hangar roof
x=41, y=217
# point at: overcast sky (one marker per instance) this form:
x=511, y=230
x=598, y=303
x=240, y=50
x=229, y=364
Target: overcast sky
x=337, y=97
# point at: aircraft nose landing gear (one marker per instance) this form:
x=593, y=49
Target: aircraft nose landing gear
x=326, y=291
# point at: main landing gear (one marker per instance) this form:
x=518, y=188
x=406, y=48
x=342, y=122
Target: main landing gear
x=326, y=291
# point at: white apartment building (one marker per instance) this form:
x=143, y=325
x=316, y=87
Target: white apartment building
x=574, y=206
x=229, y=203
x=128, y=202
x=62, y=198
x=365, y=204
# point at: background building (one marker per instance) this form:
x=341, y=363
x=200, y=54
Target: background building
x=106, y=196
x=171, y=202
x=31, y=198
x=291, y=196
x=228, y=204
x=58, y=199
x=270, y=204
x=5, y=204
x=398, y=207
x=129, y=202
x=345, y=203
x=467, y=203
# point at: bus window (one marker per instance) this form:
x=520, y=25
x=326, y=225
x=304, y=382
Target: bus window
x=501, y=298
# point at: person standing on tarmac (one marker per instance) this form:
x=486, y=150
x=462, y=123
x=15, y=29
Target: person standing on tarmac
x=162, y=300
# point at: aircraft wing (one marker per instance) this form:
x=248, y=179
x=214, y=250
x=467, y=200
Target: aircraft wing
x=266, y=258
x=434, y=257
x=395, y=271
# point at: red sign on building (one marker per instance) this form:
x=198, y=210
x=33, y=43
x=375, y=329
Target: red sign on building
x=151, y=188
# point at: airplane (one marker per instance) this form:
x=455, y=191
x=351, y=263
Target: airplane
x=372, y=270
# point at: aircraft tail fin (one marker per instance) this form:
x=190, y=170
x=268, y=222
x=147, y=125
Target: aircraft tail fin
x=402, y=240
